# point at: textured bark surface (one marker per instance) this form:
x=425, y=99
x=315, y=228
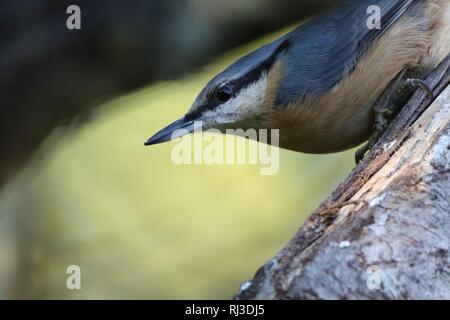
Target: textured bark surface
x=385, y=232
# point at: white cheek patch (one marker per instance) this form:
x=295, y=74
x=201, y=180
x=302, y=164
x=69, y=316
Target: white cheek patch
x=244, y=106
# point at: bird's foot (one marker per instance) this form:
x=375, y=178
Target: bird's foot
x=414, y=84
x=389, y=105
x=381, y=122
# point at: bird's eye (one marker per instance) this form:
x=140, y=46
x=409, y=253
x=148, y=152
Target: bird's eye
x=224, y=94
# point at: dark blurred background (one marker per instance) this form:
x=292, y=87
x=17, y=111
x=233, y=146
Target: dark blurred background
x=79, y=188
x=49, y=74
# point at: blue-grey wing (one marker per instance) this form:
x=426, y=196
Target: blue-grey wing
x=323, y=50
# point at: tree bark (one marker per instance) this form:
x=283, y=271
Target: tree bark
x=385, y=232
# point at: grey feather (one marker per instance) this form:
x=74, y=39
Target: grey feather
x=316, y=55
x=323, y=50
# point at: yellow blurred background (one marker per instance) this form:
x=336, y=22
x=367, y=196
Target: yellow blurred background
x=139, y=226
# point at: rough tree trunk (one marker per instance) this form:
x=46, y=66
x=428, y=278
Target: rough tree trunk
x=385, y=232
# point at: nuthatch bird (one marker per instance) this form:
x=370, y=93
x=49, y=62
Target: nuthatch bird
x=333, y=82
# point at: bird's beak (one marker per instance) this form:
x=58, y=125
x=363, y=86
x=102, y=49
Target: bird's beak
x=179, y=128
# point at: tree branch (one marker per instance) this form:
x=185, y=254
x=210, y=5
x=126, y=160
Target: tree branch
x=384, y=233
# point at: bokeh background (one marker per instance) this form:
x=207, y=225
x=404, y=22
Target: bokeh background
x=77, y=184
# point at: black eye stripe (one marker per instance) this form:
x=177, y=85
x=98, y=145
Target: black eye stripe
x=211, y=100
x=197, y=113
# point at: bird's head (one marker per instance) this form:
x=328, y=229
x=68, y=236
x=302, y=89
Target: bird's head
x=240, y=97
